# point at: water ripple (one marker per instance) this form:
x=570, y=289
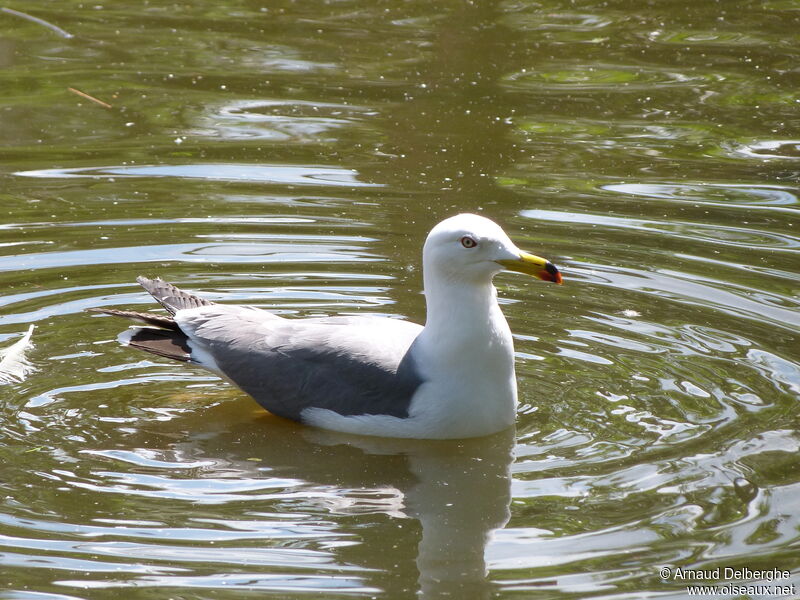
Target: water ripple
x=765, y=149
x=253, y=252
x=729, y=195
x=606, y=78
x=274, y=174
x=741, y=237
x=279, y=121
x=692, y=289
x=321, y=584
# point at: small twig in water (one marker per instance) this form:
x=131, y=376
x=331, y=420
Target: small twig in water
x=88, y=97
x=31, y=18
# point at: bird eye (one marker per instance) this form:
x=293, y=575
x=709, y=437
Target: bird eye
x=468, y=242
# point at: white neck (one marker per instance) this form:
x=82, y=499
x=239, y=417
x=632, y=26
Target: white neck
x=454, y=302
x=467, y=356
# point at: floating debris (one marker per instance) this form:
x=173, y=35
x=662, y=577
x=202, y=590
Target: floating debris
x=14, y=366
x=88, y=97
x=38, y=21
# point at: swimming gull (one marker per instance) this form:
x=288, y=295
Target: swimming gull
x=452, y=378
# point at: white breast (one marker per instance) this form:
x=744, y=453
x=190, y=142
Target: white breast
x=470, y=387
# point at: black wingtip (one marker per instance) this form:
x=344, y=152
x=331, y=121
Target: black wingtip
x=148, y=318
x=169, y=344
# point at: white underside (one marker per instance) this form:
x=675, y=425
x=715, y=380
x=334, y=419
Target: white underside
x=458, y=424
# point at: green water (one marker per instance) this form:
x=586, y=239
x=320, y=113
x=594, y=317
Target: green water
x=293, y=155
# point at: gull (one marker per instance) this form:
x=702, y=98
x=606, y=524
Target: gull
x=368, y=375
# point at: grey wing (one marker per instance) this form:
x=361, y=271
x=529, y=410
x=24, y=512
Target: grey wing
x=350, y=365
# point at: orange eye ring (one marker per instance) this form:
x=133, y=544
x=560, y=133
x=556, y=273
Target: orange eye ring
x=468, y=242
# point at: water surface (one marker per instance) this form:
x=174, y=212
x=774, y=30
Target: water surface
x=294, y=156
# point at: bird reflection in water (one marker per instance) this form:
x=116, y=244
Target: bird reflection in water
x=423, y=511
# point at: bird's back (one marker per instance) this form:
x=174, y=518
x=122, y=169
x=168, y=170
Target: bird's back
x=351, y=365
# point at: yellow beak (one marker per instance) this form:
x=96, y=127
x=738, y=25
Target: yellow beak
x=533, y=265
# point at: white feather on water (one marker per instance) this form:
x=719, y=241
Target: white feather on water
x=14, y=365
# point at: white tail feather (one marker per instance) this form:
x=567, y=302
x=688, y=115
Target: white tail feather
x=14, y=366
